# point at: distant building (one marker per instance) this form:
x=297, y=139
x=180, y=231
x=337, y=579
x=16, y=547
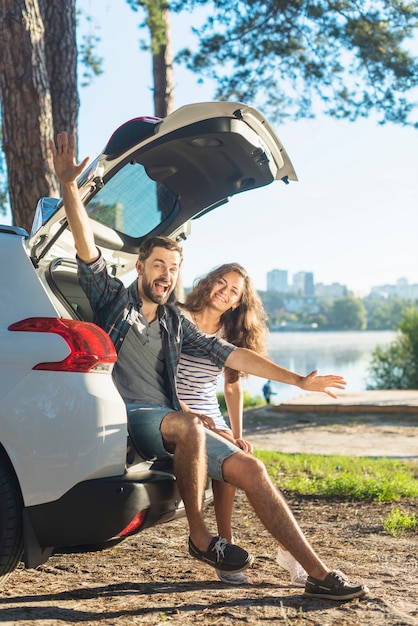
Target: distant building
x=402, y=289
x=277, y=281
x=301, y=303
x=303, y=284
x=299, y=283
x=309, y=285
x=335, y=290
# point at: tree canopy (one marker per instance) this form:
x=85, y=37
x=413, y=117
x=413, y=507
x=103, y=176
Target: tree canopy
x=396, y=366
x=346, y=58
x=291, y=58
x=349, y=313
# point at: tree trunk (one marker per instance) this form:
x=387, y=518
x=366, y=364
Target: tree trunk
x=27, y=55
x=163, y=74
x=59, y=18
x=26, y=107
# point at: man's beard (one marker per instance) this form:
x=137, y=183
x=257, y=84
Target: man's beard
x=151, y=295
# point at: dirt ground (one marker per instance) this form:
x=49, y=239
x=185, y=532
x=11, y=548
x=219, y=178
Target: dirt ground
x=150, y=579
x=324, y=432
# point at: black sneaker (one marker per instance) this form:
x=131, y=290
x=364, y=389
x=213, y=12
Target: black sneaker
x=225, y=556
x=334, y=587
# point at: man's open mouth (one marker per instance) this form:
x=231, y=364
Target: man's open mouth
x=161, y=288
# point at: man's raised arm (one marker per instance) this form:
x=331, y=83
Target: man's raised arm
x=68, y=171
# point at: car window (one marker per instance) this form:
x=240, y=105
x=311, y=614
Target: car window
x=132, y=203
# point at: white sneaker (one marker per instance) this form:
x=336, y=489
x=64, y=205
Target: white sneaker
x=298, y=576
x=232, y=578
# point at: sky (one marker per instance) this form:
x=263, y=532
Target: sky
x=352, y=216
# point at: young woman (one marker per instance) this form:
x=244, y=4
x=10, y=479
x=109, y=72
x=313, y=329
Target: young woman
x=225, y=304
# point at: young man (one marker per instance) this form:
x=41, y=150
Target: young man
x=149, y=336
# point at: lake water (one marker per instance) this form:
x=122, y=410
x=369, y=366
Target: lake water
x=347, y=353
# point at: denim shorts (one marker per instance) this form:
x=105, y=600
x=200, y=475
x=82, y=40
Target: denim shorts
x=144, y=422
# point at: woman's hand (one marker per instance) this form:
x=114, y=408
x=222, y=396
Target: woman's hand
x=244, y=445
x=206, y=421
x=313, y=382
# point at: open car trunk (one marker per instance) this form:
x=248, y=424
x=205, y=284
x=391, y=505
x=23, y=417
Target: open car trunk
x=154, y=176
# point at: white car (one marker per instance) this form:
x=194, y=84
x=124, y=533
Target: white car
x=68, y=476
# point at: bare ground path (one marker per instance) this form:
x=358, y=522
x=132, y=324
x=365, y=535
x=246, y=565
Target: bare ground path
x=354, y=431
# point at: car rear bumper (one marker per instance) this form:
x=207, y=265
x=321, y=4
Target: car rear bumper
x=94, y=512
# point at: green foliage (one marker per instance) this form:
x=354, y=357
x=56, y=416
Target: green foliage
x=345, y=313
x=390, y=366
x=409, y=329
x=398, y=522
x=384, y=314
x=348, y=313
x=249, y=401
x=273, y=301
x=376, y=313
x=154, y=22
x=396, y=365
x=221, y=402
x=289, y=56
x=353, y=478
x=90, y=62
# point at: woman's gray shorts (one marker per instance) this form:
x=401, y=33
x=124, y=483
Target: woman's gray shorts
x=144, y=422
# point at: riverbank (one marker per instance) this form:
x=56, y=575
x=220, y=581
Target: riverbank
x=371, y=423
x=393, y=401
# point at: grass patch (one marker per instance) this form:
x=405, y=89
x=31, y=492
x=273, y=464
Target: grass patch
x=249, y=401
x=353, y=478
x=398, y=522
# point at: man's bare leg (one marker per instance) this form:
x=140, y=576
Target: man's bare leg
x=249, y=474
x=185, y=433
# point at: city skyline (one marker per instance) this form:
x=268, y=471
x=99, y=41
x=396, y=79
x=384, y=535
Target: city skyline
x=277, y=279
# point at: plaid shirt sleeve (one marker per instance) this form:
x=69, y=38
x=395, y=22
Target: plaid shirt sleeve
x=198, y=344
x=107, y=295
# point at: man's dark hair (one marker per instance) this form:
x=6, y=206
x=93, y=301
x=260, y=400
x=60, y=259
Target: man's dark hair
x=147, y=246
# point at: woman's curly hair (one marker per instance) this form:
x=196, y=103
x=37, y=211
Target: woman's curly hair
x=245, y=326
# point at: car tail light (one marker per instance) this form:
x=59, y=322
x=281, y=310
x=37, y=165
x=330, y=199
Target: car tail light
x=134, y=526
x=90, y=347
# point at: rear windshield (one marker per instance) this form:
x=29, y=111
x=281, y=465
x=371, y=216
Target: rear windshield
x=132, y=203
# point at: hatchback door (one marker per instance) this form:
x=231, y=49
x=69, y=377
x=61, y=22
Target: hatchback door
x=154, y=176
